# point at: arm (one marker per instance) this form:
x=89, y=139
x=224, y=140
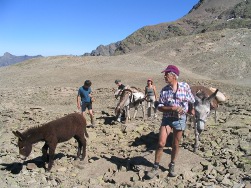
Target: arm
x=170, y=108
x=191, y=109
x=155, y=93
x=167, y=108
x=191, y=101
x=78, y=101
x=90, y=93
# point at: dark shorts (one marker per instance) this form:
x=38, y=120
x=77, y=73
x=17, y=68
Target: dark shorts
x=85, y=105
x=178, y=124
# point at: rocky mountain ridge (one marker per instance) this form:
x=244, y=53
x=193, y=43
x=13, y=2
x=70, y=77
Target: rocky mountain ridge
x=9, y=59
x=205, y=16
x=102, y=50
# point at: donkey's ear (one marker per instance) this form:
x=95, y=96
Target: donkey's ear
x=213, y=95
x=18, y=134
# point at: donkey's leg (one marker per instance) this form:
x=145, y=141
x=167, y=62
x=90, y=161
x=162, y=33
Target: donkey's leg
x=127, y=113
x=199, y=131
x=52, y=148
x=135, y=111
x=143, y=110
x=79, y=145
x=196, y=133
x=44, y=152
x=83, y=143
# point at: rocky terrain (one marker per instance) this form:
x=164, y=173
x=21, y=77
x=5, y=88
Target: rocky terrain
x=118, y=155
x=211, y=46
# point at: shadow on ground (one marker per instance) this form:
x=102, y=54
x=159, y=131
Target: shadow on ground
x=16, y=167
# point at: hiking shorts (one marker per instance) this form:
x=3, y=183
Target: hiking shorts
x=178, y=124
x=85, y=105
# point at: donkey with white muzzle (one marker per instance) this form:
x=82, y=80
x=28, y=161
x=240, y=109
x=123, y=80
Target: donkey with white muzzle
x=205, y=101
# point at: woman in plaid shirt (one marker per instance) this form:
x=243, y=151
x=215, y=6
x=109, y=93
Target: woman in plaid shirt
x=173, y=102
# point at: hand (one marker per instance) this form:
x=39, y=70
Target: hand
x=193, y=112
x=156, y=104
x=179, y=109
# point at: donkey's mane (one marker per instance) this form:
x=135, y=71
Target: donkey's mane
x=135, y=89
x=32, y=129
x=201, y=94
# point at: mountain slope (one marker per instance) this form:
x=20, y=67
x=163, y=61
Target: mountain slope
x=207, y=15
x=222, y=56
x=9, y=59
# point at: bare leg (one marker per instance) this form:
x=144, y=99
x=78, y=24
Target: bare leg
x=92, y=117
x=83, y=114
x=177, y=135
x=149, y=112
x=155, y=111
x=163, y=134
x=148, y=109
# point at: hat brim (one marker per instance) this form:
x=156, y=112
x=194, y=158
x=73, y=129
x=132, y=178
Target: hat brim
x=166, y=71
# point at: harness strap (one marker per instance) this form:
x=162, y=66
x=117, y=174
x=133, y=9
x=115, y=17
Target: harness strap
x=200, y=120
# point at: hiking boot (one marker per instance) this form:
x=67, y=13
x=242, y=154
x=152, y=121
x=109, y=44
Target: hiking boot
x=171, y=170
x=153, y=172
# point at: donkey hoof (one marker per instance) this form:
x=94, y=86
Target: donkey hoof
x=195, y=150
x=47, y=170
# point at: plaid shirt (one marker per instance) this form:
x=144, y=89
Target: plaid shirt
x=181, y=98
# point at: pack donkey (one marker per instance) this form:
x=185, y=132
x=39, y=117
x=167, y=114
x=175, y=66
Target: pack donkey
x=205, y=101
x=130, y=97
x=52, y=133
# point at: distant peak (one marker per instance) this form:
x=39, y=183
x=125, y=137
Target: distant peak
x=7, y=54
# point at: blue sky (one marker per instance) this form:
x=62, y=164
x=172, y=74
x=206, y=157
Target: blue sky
x=73, y=27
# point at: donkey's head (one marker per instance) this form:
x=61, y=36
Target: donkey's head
x=24, y=146
x=117, y=93
x=202, y=108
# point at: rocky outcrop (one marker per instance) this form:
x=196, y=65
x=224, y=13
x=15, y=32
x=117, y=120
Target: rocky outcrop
x=102, y=50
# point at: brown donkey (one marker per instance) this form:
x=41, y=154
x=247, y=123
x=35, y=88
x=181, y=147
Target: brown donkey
x=54, y=132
